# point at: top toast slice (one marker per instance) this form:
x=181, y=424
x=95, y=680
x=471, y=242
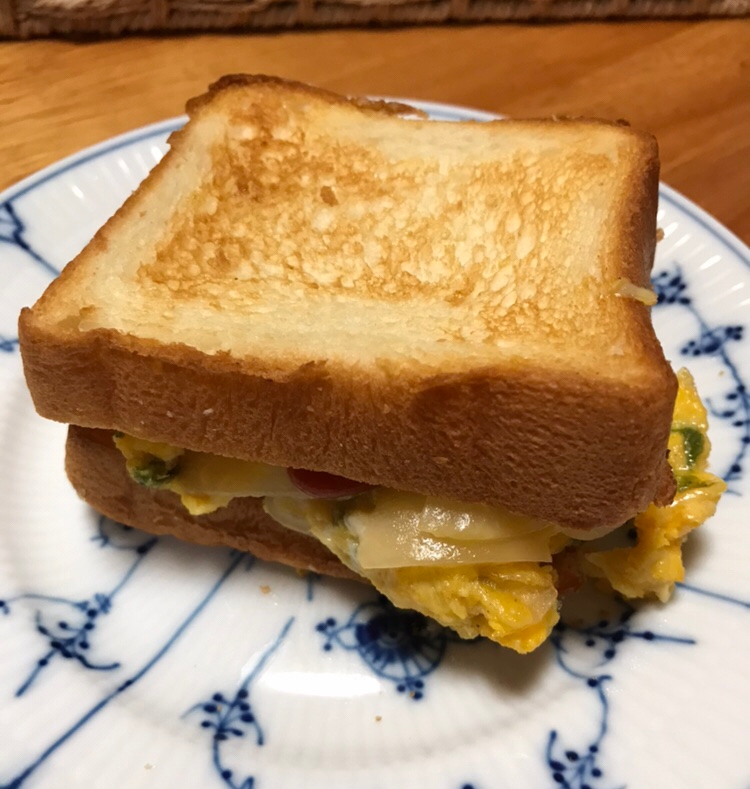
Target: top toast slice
x=398, y=300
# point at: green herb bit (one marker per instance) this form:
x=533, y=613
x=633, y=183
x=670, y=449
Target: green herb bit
x=156, y=473
x=689, y=481
x=694, y=443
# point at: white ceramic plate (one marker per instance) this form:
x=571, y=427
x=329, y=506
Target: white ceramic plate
x=128, y=661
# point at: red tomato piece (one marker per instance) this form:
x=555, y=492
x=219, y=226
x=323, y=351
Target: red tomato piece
x=321, y=485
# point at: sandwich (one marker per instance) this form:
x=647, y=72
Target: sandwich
x=344, y=337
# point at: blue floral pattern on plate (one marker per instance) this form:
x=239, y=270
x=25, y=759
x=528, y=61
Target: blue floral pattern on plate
x=582, y=651
x=400, y=646
x=671, y=289
x=25, y=774
x=227, y=717
x=13, y=231
x=70, y=638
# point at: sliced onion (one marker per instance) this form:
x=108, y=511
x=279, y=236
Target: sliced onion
x=391, y=533
x=289, y=512
x=453, y=520
x=377, y=551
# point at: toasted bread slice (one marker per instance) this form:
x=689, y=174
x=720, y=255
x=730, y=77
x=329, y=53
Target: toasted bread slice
x=97, y=471
x=318, y=282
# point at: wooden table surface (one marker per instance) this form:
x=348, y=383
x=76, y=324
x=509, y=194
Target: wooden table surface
x=687, y=82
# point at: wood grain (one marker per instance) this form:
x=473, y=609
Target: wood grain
x=687, y=82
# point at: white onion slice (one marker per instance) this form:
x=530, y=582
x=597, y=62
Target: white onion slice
x=391, y=532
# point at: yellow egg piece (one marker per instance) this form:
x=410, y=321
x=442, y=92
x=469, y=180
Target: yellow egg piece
x=652, y=566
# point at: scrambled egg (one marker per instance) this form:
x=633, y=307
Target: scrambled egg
x=514, y=604
x=452, y=562
x=653, y=565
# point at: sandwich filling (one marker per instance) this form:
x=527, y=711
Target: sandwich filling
x=478, y=569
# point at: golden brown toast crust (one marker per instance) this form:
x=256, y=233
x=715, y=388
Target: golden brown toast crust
x=97, y=471
x=230, y=82
x=577, y=449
